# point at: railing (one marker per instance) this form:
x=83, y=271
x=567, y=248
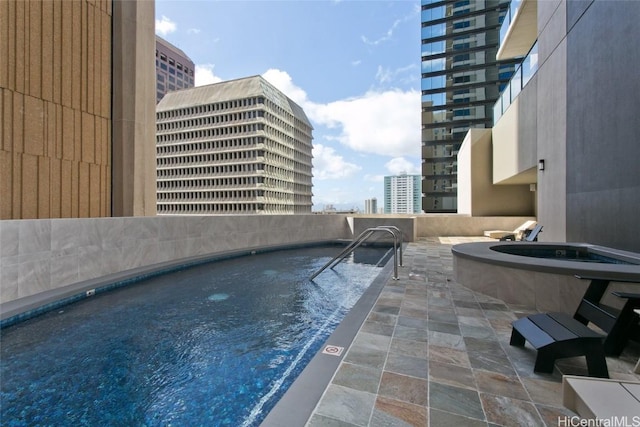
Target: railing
x=397, y=235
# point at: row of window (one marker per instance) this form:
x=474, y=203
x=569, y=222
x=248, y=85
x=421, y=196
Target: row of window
x=245, y=181
x=210, y=196
x=209, y=133
x=209, y=108
x=245, y=168
x=221, y=144
x=210, y=120
x=249, y=155
x=232, y=208
x=173, y=63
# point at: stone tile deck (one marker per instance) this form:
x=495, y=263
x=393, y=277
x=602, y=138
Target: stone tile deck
x=433, y=352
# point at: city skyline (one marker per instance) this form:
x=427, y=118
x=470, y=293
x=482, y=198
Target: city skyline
x=352, y=66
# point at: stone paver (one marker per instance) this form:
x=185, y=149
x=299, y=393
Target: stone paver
x=433, y=352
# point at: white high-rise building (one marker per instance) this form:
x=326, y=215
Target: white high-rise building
x=371, y=206
x=236, y=147
x=402, y=193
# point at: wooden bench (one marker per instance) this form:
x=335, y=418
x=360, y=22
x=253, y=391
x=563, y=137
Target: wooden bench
x=558, y=335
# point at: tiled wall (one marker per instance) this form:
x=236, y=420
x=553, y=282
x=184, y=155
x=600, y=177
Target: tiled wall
x=39, y=255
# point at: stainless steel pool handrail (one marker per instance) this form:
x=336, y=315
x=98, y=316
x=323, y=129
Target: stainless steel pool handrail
x=361, y=239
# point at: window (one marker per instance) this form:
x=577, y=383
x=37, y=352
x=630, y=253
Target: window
x=172, y=62
x=462, y=24
x=179, y=66
x=163, y=66
x=462, y=79
x=163, y=57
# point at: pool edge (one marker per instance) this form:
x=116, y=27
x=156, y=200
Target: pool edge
x=300, y=400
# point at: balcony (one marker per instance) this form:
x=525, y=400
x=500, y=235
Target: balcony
x=519, y=29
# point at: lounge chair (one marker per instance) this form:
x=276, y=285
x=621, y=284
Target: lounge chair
x=527, y=235
x=518, y=233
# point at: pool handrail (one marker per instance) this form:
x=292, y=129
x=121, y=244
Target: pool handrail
x=358, y=241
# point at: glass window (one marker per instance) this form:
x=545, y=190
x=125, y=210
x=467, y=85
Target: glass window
x=433, y=48
x=432, y=31
x=434, y=65
x=172, y=71
x=433, y=13
x=436, y=82
x=163, y=66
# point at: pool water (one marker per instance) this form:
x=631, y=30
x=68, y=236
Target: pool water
x=216, y=344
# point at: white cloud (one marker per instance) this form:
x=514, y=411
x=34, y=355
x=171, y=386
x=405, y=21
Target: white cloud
x=374, y=178
x=204, y=75
x=193, y=31
x=399, y=165
x=379, y=122
x=386, y=75
x=356, y=62
x=385, y=123
x=165, y=26
x=386, y=36
x=327, y=164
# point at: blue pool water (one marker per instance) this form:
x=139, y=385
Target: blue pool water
x=216, y=344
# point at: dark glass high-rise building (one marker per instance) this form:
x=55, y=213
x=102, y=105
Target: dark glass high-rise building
x=461, y=81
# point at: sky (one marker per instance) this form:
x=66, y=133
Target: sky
x=352, y=65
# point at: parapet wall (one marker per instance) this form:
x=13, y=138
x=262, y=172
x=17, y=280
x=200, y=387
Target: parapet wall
x=45, y=255
x=41, y=255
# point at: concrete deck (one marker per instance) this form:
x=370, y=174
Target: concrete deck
x=433, y=352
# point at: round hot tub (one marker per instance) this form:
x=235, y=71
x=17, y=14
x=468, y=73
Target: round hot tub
x=542, y=276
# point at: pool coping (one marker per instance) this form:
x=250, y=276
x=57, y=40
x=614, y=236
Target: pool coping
x=483, y=252
x=296, y=406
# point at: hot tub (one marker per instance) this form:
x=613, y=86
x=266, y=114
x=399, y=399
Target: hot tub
x=542, y=276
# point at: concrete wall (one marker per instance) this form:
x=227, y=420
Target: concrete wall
x=39, y=255
x=134, y=109
x=436, y=225
x=477, y=194
x=551, y=116
x=602, y=131
x=406, y=223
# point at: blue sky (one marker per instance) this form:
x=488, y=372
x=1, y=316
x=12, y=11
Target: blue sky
x=353, y=66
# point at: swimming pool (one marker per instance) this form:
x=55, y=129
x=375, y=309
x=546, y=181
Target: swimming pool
x=215, y=344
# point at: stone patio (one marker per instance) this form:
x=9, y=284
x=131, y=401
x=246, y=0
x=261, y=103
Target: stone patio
x=432, y=352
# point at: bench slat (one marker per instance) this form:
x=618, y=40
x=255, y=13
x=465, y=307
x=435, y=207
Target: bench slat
x=574, y=326
x=532, y=333
x=555, y=329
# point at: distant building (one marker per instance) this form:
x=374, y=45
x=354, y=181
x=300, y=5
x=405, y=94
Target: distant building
x=371, y=206
x=402, y=193
x=174, y=69
x=235, y=147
